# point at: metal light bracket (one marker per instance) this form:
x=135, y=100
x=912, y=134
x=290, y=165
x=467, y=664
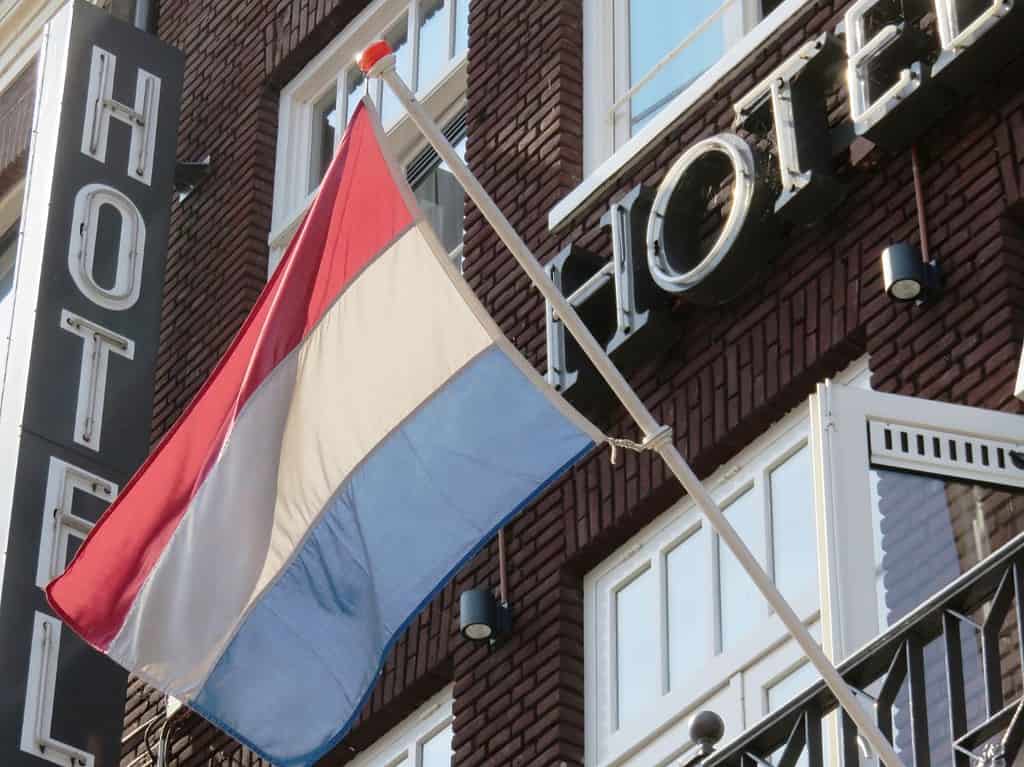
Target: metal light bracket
x=189, y=175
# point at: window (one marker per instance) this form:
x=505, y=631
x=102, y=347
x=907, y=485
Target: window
x=430, y=39
x=642, y=54
x=676, y=625
x=424, y=739
x=439, y=195
x=861, y=507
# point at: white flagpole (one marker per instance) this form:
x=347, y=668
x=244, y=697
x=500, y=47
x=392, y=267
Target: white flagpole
x=378, y=61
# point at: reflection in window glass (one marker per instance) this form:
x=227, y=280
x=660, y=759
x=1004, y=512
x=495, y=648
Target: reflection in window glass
x=354, y=86
x=433, y=52
x=742, y=606
x=461, y=26
x=437, y=750
x=443, y=202
x=655, y=28
x=794, y=540
x=325, y=124
x=689, y=596
x=636, y=649
x=929, y=531
x=398, y=37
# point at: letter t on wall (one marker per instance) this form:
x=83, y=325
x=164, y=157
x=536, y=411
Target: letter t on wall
x=791, y=100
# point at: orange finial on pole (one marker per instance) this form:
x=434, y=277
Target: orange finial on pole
x=373, y=53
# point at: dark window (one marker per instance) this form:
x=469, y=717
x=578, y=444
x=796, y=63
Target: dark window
x=438, y=193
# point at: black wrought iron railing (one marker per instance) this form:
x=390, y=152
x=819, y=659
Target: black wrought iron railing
x=944, y=684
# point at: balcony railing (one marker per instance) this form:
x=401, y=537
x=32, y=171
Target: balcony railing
x=944, y=684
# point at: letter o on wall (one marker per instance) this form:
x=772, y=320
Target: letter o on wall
x=124, y=293
x=745, y=241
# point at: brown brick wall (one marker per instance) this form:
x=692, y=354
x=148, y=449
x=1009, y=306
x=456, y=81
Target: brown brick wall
x=721, y=376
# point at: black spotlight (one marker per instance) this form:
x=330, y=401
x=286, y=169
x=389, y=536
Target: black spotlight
x=906, y=276
x=482, y=618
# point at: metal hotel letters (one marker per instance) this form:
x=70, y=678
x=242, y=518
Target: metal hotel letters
x=788, y=107
x=87, y=312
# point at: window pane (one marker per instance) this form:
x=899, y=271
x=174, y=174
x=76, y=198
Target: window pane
x=433, y=54
x=655, y=28
x=443, y=202
x=786, y=688
x=354, y=86
x=741, y=603
x=689, y=607
x=325, y=122
x=437, y=751
x=794, y=540
x=931, y=530
x=461, y=25
x=398, y=36
x=636, y=648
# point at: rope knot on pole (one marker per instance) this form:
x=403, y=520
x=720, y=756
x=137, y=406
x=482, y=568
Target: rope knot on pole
x=654, y=442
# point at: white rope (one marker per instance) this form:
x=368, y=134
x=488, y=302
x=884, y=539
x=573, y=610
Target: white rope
x=654, y=442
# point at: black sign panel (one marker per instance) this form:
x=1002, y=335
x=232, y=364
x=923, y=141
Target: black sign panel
x=77, y=400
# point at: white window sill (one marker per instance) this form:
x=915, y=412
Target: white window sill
x=605, y=174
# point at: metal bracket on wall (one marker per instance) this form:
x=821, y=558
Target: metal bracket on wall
x=188, y=176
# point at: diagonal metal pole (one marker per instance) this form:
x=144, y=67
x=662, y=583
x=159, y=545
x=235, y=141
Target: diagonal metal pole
x=378, y=61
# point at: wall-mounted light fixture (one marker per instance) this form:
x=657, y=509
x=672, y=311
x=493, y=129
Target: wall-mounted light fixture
x=906, y=276
x=482, y=618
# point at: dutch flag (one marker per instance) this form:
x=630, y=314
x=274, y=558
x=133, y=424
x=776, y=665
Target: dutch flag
x=367, y=431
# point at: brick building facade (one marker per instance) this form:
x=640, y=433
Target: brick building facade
x=720, y=376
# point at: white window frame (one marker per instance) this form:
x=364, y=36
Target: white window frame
x=731, y=680
x=445, y=99
x=603, y=161
x=739, y=16
x=402, y=744
x=660, y=733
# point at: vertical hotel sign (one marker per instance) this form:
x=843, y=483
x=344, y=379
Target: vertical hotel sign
x=76, y=401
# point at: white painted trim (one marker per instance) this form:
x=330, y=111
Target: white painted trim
x=401, y=745
x=730, y=682
x=605, y=173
